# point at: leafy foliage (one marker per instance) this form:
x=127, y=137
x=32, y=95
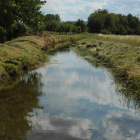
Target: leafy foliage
x=52, y=17
x=27, y=11
x=81, y=24
x=53, y=23
x=18, y=29
x=101, y=21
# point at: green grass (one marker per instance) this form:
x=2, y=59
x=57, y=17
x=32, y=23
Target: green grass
x=122, y=53
x=27, y=52
x=132, y=40
x=85, y=52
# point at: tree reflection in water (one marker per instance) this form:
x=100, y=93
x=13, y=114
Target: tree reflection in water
x=16, y=104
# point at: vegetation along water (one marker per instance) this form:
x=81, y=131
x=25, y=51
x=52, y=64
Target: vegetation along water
x=67, y=98
x=68, y=80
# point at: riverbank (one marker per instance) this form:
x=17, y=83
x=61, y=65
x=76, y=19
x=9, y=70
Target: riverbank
x=26, y=53
x=120, y=53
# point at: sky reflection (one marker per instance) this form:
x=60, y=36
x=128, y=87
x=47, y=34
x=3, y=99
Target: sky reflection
x=80, y=102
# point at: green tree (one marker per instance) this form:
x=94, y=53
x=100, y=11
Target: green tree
x=52, y=22
x=18, y=29
x=51, y=26
x=79, y=30
x=95, y=24
x=80, y=23
x=52, y=17
x=96, y=21
x=27, y=11
x=133, y=21
x=109, y=22
x=7, y=16
x=137, y=30
x=69, y=22
x=103, y=22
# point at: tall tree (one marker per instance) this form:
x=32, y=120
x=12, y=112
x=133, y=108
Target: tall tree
x=96, y=21
x=133, y=21
x=52, y=17
x=81, y=23
x=27, y=11
x=8, y=14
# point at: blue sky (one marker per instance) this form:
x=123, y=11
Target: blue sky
x=74, y=9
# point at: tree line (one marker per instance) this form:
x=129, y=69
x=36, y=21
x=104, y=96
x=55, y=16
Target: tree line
x=101, y=21
x=19, y=18
x=17, y=14
x=53, y=23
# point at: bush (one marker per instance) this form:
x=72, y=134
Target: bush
x=138, y=59
x=130, y=31
x=137, y=31
x=2, y=34
x=18, y=29
x=105, y=31
x=51, y=26
x=79, y=30
x=81, y=23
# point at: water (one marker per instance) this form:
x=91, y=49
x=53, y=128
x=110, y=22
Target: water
x=67, y=99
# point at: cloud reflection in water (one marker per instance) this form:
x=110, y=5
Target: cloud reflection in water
x=80, y=102
x=69, y=127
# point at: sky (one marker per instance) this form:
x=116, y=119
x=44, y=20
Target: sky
x=71, y=10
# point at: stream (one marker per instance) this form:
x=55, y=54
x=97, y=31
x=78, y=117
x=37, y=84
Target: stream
x=68, y=98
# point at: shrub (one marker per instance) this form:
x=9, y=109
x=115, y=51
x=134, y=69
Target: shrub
x=17, y=29
x=138, y=59
x=105, y=31
x=130, y=31
x=2, y=34
x=81, y=23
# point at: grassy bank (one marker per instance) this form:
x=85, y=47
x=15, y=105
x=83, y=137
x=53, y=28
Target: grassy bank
x=26, y=53
x=120, y=53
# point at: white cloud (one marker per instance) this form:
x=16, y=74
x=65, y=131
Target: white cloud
x=96, y=88
x=121, y=125
x=80, y=101
x=71, y=9
x=75, y=9
x=72, y=127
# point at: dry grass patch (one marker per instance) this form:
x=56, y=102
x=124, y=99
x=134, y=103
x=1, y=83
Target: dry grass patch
x=27, y=52
x=122, y=53
x=133, y=40
x=21, y=53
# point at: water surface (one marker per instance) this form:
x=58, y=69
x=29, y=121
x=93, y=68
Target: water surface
x=67, y=99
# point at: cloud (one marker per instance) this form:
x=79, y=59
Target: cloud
x=123, y=6
x=80, y=102
x=68, y=128
x=71, y=9
x=120, y=125
x=76, y=79
x=75, y=9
